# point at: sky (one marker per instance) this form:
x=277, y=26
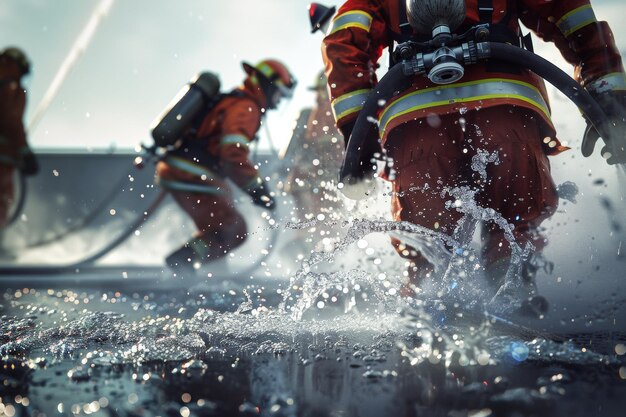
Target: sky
x=144, y=51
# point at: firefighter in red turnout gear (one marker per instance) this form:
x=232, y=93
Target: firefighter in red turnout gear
x=195, y=172
x=433, y=131
x=14, y=150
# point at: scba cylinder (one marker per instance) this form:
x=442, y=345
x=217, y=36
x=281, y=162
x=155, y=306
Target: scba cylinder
x=426, y=15
x=190, y=101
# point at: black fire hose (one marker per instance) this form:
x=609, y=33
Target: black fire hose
x=559, y=79
x=129, y=230
x=86, y=220
x=363, y=140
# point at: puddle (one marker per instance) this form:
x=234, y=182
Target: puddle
x=335, y=339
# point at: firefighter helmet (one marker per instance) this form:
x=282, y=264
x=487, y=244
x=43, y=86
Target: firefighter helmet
x=19, y=57
x=273, y=78
x=320, y=16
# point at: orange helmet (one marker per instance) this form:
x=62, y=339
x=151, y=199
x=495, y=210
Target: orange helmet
x=273, y=78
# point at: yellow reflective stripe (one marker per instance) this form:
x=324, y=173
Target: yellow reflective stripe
x=188, y=187
x=576, y=19
x=492, y=88
x=615, y=81
x=265, y=69
x=240, y=140
x=349, y=103
x=189, y=166
x=269, y=72
x=355, y=18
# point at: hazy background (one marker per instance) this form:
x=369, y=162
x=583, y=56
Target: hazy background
x=143, y=52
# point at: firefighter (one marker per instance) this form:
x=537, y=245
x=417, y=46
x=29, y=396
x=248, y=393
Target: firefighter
x=195, y=172
x=433, y=131
x=315, y=150
x=314, y=158
x=14, y=150
x=314, y=154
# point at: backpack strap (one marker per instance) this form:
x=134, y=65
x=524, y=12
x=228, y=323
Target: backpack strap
x=406, y=31
x=485, y=11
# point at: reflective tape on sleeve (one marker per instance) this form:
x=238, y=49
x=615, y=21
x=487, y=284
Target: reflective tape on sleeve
x=188, y=187
x=576, y=19
x=352, y=19
x=611, y=82
x=189, y=167
x=349, y=103
x=240, y=140
x=493, y=88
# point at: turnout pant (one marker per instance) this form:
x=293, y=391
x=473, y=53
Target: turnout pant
x=434, y=154
x=221, y=228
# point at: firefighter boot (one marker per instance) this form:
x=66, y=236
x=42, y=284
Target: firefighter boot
x=181, y=262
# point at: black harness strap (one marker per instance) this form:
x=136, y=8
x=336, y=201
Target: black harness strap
x=406, y=31
x=499, y=32
x=485, y=11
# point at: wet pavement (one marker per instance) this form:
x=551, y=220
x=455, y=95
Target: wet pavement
x=219, y=351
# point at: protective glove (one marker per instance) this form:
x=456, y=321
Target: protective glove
x=614, y=105
x=29, y=165
x=359, y=181
x=261, y=196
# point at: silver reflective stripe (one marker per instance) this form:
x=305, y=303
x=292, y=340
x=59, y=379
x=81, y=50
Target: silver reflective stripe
x=189, y=167
x=349, y=103
x=199, y=246
x=189, y=187
x=576, y=19
x=462, y=93
x=611, y=82
x=354, y=18
x=240, y=140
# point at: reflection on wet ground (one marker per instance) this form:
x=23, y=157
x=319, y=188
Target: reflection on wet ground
x=209, y=353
